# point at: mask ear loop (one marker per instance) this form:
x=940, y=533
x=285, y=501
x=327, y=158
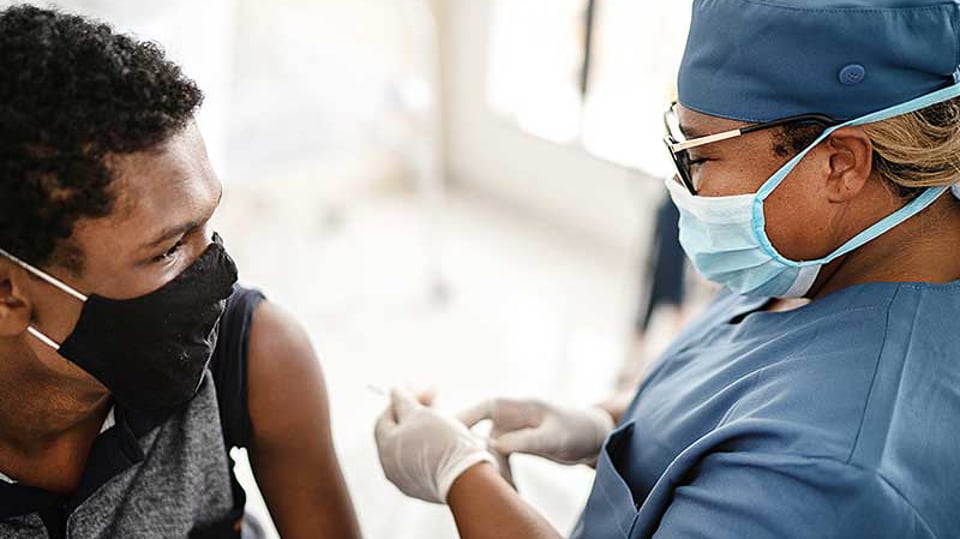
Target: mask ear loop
x=907, y=212
x=52, y=281
x=40, y=336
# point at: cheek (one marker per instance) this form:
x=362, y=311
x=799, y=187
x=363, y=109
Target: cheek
x=726, y=178
x=53, y=312
x=63, y=369
x=797, y=220
x=739, y=171
x=56, y=315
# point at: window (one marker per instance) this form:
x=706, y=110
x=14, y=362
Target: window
x=535, y=64
x=598, y=73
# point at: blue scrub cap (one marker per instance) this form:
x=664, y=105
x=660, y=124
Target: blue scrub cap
x=761, y=60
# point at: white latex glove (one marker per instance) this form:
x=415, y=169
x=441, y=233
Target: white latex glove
x=564, y=435
x=423, y=451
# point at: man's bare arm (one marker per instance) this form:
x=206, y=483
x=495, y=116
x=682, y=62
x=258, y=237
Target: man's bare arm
x=292, y=453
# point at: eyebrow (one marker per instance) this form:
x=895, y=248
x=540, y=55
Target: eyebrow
x=692, y=132
x=181, y=229
x=172, y=232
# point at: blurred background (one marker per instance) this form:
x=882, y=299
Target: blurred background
x=449, y=194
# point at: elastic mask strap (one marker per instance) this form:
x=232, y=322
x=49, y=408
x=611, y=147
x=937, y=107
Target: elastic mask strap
x=805, y=279
x=42, y=337
x=52, y=281
x=928, y=197
x=49, y=279
x=921, y=102
x=888, y=223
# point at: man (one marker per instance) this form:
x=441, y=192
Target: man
x=114, y=420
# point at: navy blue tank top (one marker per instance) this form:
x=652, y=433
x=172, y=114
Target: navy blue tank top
x=229, y=368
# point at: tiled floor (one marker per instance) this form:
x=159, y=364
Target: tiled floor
x=528, y=310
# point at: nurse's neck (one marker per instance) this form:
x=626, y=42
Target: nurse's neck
x=922, y=249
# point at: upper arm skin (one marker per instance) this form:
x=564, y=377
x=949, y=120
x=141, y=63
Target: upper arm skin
x=292, y=451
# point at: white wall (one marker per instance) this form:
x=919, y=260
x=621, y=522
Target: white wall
x=563, y=184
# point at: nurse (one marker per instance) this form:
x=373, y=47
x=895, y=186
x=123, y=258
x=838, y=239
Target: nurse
x=817, y=143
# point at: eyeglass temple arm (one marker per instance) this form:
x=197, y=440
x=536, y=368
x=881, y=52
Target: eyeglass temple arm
x=803, y=118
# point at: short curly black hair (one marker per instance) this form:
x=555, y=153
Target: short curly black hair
x=72, y=93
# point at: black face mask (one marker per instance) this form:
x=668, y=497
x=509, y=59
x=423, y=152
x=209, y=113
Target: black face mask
x=151, y=351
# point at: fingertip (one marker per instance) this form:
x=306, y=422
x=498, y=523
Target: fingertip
x=402, y=402
x=497, y=447
x=397, y=393
x=427, y=397
x=471, y=416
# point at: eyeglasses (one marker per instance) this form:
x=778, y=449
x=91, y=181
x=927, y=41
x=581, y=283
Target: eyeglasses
x=679, y=146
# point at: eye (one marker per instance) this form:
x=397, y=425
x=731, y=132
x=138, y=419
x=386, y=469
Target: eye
x=170, y=253
x=698, y=162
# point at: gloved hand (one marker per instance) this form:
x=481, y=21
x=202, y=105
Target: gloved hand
x=564, y=435
x=423, y=451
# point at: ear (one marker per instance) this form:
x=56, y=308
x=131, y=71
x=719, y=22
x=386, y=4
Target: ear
x=14, y=302
x=851, y=163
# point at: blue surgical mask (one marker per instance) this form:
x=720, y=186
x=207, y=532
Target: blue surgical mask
x=726, y=239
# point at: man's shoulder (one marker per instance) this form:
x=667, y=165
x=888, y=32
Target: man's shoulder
x=230, y=363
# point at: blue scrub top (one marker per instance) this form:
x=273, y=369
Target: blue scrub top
x=837, y=419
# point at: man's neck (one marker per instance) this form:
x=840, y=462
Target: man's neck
x=47, y=421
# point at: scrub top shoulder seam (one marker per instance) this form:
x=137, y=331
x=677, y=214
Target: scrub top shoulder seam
x=879, y=475
x=882, y=478
x=871, y=471
x=906, y=501
x=873, y=378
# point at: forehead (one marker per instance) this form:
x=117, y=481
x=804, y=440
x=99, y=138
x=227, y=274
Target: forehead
x=167, y=183
x=156, y=191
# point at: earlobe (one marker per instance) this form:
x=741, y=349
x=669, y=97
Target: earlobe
x=14, y=306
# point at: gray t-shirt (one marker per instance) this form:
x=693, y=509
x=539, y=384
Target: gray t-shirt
x=171, y=479
x=157, y=475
